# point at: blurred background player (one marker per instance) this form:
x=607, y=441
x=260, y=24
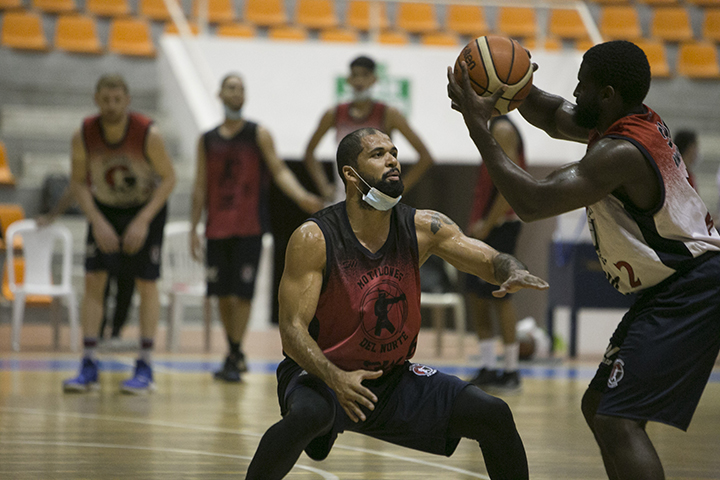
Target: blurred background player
x=493, y=221
x=361, y=112
x=235, y=162
x=120, y=284
x=121, y=178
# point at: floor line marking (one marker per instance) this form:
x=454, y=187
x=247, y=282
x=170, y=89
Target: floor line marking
x=324, y=474
x=248, y=433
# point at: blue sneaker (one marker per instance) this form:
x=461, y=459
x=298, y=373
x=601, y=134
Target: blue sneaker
x=142, y=380
x=86, y=380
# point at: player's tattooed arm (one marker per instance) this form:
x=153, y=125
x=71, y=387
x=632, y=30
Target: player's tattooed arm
x=505, y=265
x=438, y=220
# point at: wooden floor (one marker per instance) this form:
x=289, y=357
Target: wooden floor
x=193, y=427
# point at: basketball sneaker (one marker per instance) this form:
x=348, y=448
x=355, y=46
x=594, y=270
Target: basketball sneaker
x=142, y=380
x=507, y=382
x=86, y=380
x=230, y=372
x=242, y=366
x=485, y=377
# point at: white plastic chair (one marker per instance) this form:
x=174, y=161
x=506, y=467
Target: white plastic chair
x=38, y=250
x=437, y=302
x=183, y=278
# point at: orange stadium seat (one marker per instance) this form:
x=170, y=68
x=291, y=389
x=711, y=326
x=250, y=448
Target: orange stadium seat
x=611, y=2
x=54, y=6
x=671, y=24
x=550, y=44
x=77, y=33
x=23, y=30
x=440, y=39
x=704, y=3
x=466, y=20
x=316, y=14
x=416, y=17
x=172, y=29
x=392, y=37
x=6, y=176
x=711, y=25
x=9, y=213
x=32, y=300
x=583, y=45
x=698, y=60
x=517, y=22
x=287, y=32
x=107, y=8
x=358, y=12
x=238, y=30
x=265, y=13
x=154, y=10
x=657, y=57
x=620, y=23
x=341, y=35
x=10, y=4
x=131, y=36
x=659, y=3
x=219, y=11
x=567, y=24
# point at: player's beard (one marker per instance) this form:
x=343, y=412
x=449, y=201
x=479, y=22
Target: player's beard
x=393, y=188
x=587, y=115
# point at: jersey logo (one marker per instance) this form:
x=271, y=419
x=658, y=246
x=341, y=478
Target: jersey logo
x=422, y=370
x=120, y=179
x=383, y=311
x=617, y=373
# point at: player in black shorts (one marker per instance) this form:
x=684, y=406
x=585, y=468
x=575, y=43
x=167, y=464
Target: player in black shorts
x=349, y=321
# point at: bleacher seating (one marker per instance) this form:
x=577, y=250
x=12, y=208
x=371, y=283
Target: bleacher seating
x=316, y=14
x=698, y=60
x=78, y=34
x=466, y=20
x=81, y=26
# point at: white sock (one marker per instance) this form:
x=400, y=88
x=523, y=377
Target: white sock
x=512, y=356
x=488, y=355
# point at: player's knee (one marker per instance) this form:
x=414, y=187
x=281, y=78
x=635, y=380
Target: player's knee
x=146, y=287
x=311, y=416
x=499, y=412
x=614, y=429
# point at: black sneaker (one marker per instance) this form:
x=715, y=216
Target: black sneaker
x=507, y=382
x=230, y=371
x=485, y=377
x=242, y=366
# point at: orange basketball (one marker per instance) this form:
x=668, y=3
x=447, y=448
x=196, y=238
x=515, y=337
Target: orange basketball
x=492, y=61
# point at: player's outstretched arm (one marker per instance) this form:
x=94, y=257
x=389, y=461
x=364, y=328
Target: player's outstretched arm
x=298, y=296
x=438, y=235
x=283, y=176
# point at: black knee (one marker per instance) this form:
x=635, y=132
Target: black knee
x=476, y=413
x=309, y=413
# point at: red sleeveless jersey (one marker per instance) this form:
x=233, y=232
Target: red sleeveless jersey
x=345, y=123
x=119, y=174
x=237, y=184
x=485, y=191
x=368, y=314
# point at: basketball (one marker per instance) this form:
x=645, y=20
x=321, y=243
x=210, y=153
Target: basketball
x=492, y=61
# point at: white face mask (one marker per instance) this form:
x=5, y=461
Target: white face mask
x=375, y=198
x=362, y=95
x=232, y=114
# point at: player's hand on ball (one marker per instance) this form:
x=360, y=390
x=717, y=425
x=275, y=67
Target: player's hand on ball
x=474, y=108
x=518, y=280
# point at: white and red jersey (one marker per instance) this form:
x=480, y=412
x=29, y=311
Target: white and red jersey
x=639, y=249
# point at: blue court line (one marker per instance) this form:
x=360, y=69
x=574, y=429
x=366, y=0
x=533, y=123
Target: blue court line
x=268, y=367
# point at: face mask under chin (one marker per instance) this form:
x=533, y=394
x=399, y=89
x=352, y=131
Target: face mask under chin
x=375, y=198
x=362, y=95
x=232, y=114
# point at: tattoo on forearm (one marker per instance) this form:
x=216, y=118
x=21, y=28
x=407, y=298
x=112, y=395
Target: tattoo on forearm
x=504, y=266
x=437, y=221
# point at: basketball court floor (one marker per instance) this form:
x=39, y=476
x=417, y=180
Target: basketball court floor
x=195, y=428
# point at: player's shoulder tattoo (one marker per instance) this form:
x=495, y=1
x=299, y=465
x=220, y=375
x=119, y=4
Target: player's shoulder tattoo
x=437, y=220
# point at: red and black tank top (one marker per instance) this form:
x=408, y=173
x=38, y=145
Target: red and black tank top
x=119, y=174
x=237, y=184
x=368, y=314
x=346, y=123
